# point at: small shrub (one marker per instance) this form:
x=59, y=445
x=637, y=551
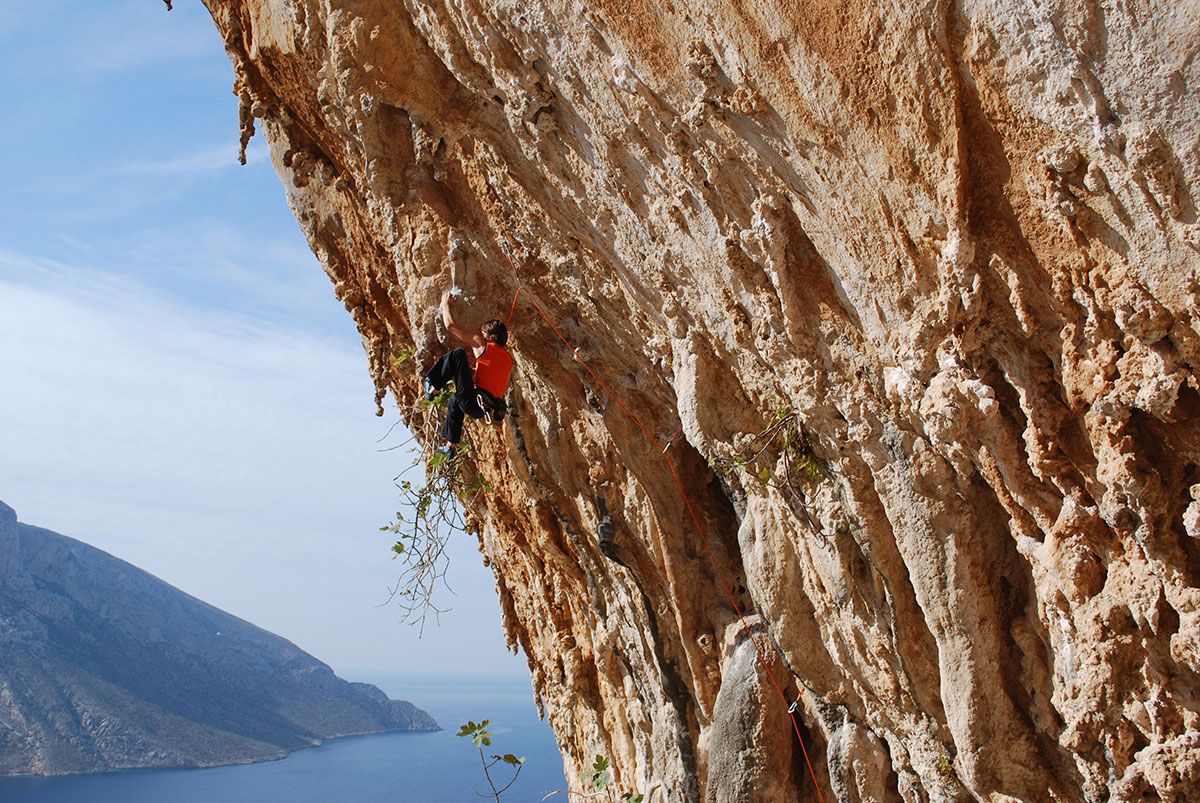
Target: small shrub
x=431, y=511
x=599, y=779
x=784, y=437
x=601, y=772
x=945, y=770
x=482, y=737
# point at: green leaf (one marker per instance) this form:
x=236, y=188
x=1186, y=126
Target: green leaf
x=764, y=474
x=437, y=460
x=601, y=774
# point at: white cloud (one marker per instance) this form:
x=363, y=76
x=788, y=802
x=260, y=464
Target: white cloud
x=137, y=34
x=120, y=190
x=200, y=161
x=266, y=270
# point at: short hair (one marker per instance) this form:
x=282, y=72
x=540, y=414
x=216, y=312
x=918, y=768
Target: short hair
x=496, y=332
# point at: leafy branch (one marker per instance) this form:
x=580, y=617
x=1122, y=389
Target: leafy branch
x=600, y=778
x=785, y=437
x=482, y=737
x=431, y=511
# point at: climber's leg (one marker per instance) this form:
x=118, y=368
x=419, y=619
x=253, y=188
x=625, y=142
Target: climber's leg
x=460, y=405
x=453, y=366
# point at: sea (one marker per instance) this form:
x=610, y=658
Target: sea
x=393, y=767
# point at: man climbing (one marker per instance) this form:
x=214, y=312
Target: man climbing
x=480, y=375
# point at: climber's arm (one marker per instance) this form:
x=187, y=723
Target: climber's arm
x=473, y=339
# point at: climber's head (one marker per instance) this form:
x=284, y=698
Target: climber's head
x=495, y=332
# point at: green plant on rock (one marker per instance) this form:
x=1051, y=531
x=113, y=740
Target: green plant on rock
x=784, y=438
x=431, y=511
x=601, y=772
x=598, y=780
x=945, y=770
x=481, y=736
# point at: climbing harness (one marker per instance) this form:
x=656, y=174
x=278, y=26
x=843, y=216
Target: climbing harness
x=494, y=408
x=792, y=705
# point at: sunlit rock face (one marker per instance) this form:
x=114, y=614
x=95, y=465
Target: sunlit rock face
x=954, y=244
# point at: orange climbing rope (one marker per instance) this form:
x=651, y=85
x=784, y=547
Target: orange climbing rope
x=791, y=706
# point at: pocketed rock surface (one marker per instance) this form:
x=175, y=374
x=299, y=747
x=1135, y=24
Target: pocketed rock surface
x=955, y=243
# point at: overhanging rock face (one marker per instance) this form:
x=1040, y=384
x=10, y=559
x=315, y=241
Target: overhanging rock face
x=947, y=250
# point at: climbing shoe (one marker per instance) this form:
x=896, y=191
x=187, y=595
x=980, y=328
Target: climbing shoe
x=448, y=451
x=430, y=393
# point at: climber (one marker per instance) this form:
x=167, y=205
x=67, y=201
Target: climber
x=480, y=375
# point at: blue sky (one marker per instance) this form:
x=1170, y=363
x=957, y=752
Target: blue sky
x=180, y=387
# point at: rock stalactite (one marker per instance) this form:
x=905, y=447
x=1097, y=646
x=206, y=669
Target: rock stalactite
x=954, y=244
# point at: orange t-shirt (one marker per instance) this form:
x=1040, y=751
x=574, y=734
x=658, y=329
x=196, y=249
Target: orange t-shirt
x=492, y=369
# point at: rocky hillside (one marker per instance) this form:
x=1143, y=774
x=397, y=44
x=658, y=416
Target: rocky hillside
x=104, y=667
x=917, y=285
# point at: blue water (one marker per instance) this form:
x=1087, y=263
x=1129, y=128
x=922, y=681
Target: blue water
x=393, y=767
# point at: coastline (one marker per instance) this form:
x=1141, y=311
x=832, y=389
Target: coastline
x=213, y=765
x=431, y=766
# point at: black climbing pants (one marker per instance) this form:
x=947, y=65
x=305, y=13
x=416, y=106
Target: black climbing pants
x=454, y=366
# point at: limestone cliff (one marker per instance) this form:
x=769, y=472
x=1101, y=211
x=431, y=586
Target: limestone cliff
x=950, y=246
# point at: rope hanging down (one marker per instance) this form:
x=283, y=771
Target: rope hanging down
x=789, y=704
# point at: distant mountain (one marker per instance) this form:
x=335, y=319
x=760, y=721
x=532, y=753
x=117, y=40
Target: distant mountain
x=105, y=667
